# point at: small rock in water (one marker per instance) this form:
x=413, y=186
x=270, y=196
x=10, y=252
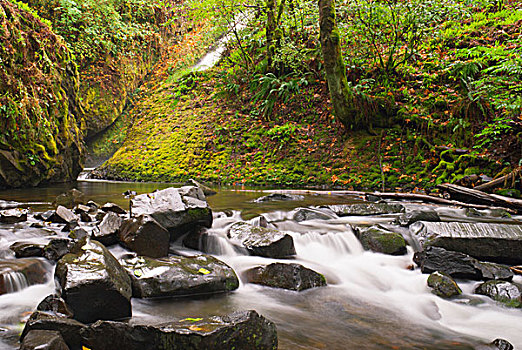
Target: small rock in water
x=443, y=285
x=43, y=340
x=303, y=214
x=240, y=330
x=56, y=248
x=111, y=207
x=62, y=215
x=364, y=209
x=68, y=328
x=107, y=231
x=145, y=236
x=55, y=304
x=380, y=240
x=279, y=197
x=262, y=241
x=13, y=216
x=179, y=276
x=70, y=198
x=287, y=276
x=27, y=249
x=425, y=214
x=206, y=190
x=45, y=216
x=510, y=294
x=502, y=344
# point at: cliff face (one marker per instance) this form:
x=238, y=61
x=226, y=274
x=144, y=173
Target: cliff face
x=41, y=117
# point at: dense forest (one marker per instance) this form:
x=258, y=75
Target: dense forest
x=360, y=94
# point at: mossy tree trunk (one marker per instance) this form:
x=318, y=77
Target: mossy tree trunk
x=340, y=93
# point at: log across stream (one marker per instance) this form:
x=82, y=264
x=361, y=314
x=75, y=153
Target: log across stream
x=372, y=300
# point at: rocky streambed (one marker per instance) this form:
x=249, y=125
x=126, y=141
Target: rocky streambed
x=295, y=271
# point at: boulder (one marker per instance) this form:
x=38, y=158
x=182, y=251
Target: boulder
x=145, y=236
x=287, y=276
x=240, y=330
x=93, y=283
x=70, y=198
x=207, y=191
x=78, y=233
x=179, y=276
x=44, y=216
x=111, y=207
x=56, y=248
x=18, y=274
x=484, y=241
x=380, y=240
x=12, y=216
x=507, y=293
x=501, y=344
x=68, y=328
x=56, y=305
x=262, y=241
x=178, y=210
x=366, y=209
x=62, y=215
x=279, y=197
x=303, y=214
x=43, y=340
x=459, y=265
x=108, y=230
x=424, y=214
x=27, y=249
x=443, y=285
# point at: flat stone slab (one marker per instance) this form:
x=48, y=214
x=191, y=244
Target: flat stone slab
x=484, y=241
x=262, y=241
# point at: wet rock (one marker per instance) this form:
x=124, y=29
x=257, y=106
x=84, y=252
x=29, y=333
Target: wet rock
x=501, y=344
x=78, y=233
x=99, y=215
x=262, y=241
x=200, y=240
x=70, y=198
x=62, y=215
x=55, y=304
x=240, y=330
x=43, y=340
x=380, y=240
x=81, y=208
x=57, y=248
x=111, y=207
x=12, y=216
x=178, y=210
x=366, y=209
x=84, y=217
x=279, y=197
x=207, y=191
x=68, y=227
x=145, y=236
x=18, y=274
x=68, y=328
x=303, y=214
x=27, y=249
x=93, y=283
x=443, y=285
x=108, y=230
x=44, y=216
x=287, y=276
x=459, y=265
x=510, y=294
x=93, y=205
x=424, y=214
x=484, y=241
x=179, y=276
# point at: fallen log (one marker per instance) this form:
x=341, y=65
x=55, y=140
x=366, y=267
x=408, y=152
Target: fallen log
x=393, y=195
x=501, y=181
x=475, y=196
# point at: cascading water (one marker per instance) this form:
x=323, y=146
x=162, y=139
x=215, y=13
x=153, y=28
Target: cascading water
x=372, y=301
x=13, y=281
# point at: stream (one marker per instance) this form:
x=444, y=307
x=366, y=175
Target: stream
x=372, y=301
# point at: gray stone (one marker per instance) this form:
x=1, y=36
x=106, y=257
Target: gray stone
x=424, y=214
x=70, y=198
x=179, y=276
x=56, y=248
x=287, y=276
x=93, y=283
x=262, y=241
x=484, y=241
x=145, y=236
x=111, y=207
x=43, y=340
x=240, y=330
x=13, y=216
x=27, y=249
x=68, y=328
x=507, y=293
x=380, y=240
x=62, y=215
x=207, y=191
x=303, y=214
x=279, y=197
x=366, y=209
x=108, y=230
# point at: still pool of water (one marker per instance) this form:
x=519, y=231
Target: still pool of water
x=372, y=301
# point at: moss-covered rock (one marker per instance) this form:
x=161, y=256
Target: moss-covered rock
x=287, y=276
x=510, y=294
x=380, y=240
x=443, y=285
x=41, y=138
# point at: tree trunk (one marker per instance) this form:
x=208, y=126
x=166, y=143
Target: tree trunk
x=340, y=94
x=271, y=26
